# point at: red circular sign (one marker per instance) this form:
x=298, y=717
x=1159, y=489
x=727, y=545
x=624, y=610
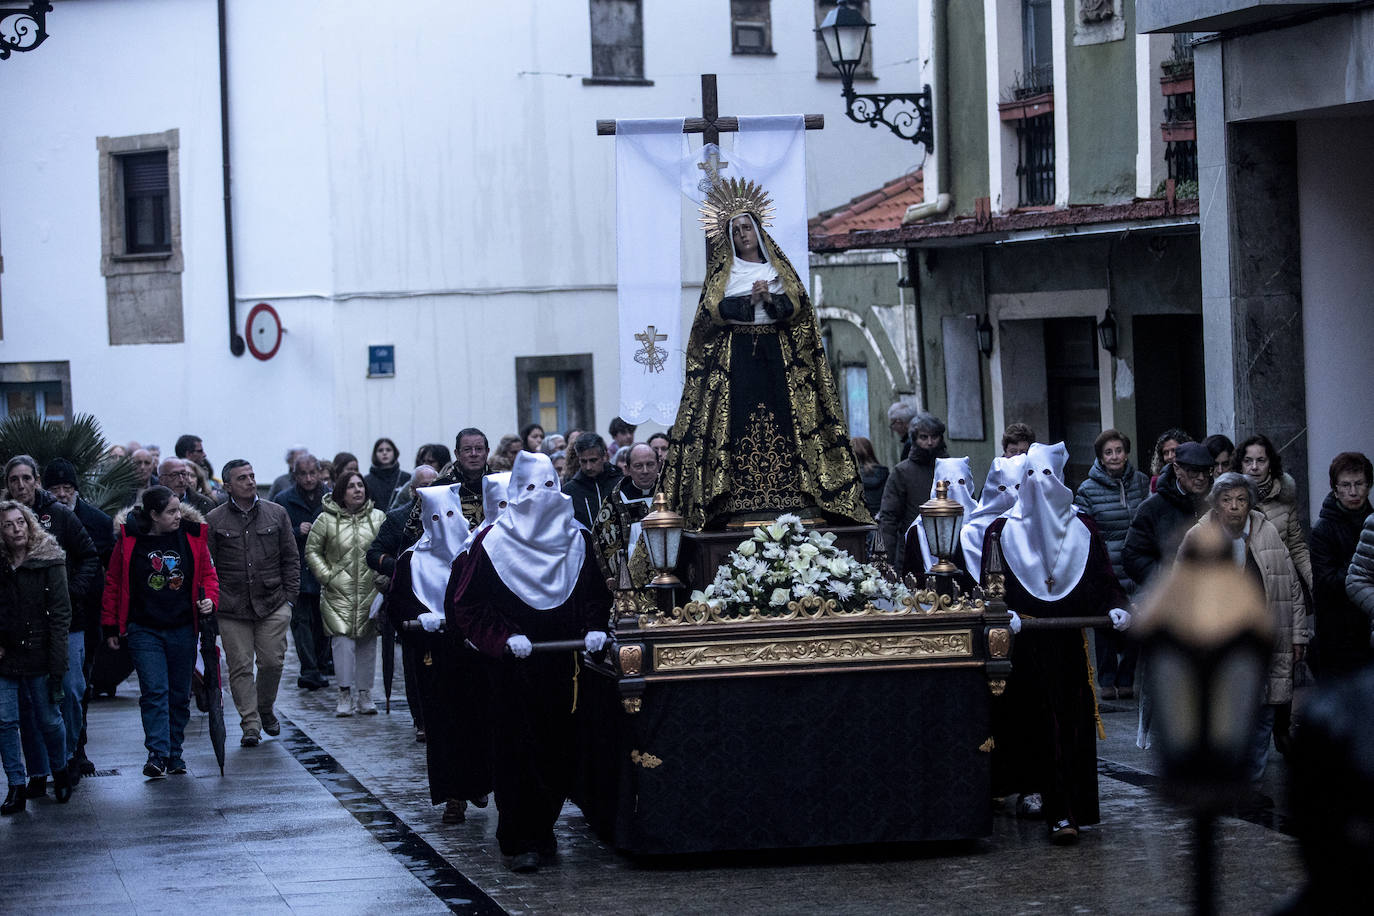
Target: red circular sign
x=264, y=331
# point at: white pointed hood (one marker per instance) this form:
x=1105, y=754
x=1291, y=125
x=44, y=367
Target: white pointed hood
x=536, y=545
x=494, y=488
x=445, y=531
x=1000, y=492
x=959, y=475
x=1044, y=543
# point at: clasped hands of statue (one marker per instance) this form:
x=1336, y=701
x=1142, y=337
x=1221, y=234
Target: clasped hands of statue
x=759, y=295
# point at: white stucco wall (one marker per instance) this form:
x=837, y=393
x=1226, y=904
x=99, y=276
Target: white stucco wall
x=1337, y=276
x=427, y=177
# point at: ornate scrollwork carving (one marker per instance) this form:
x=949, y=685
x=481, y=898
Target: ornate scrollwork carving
x=999, y=642
x=632, y=705
x=631, y=659
x=808, y=650
x=906, y=114
x=997, y=686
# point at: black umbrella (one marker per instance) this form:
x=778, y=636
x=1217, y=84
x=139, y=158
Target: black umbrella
x=388, y=654
x=209, y=654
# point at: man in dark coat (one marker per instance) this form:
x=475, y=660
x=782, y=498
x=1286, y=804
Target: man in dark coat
x=1163, y=518
x=594, y=481
x=469, y=466
x=84, y=584
x=303, y=501
x=909, y=485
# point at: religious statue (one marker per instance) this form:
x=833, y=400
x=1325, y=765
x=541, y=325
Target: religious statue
x=759, y=430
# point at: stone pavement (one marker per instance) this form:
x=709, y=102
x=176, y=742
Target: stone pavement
x=335, y=816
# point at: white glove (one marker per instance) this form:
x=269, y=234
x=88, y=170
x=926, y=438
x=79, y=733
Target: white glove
x=1120, y=619
x=519, y=646
x=1015, y=622
x=431, y=621
x=594, y=641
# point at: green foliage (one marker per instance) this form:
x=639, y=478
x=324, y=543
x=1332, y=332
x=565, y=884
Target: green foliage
x=1184, y=190
x=108, y=485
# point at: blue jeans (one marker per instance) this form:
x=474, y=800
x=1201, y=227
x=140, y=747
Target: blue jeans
x=74, y=688
x=32, y=692
x=164, y=660
x=1259, y=747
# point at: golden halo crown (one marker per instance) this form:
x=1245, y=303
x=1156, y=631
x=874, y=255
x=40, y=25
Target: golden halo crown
x=731, y=197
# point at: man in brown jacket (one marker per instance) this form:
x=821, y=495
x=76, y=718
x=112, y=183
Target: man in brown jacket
x=259, y=577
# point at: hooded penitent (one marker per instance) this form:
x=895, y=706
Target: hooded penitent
x=959, y=475
x=494, y=487
x=445, y=531
x=1044, y=543
x=759, y=429
x=536, y=546
x=1000, y=491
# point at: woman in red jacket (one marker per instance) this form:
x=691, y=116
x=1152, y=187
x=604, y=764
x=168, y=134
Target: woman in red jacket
x=160, y=580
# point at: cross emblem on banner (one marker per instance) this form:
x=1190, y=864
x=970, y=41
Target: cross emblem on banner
x=650, y=355
x=712, y=167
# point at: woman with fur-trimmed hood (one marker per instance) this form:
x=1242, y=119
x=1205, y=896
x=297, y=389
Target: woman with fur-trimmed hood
x=35, y=612
x=161, y=581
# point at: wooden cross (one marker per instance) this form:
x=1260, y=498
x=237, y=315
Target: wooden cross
x=710, y=125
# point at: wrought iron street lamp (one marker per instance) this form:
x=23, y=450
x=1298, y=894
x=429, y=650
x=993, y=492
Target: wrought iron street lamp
x=23, y=29
x=1106, y=332
x=844, y=32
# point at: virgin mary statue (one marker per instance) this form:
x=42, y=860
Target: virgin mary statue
x=759, y=430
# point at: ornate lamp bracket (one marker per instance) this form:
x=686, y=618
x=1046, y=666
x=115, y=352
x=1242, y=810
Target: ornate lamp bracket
x=23, y=29
x=909, y=117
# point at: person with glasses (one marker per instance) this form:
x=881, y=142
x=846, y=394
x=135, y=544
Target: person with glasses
x=1342, y=643
x=471, y=451
x=177, y=476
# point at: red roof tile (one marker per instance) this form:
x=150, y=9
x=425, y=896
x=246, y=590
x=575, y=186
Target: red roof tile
x=880, y=209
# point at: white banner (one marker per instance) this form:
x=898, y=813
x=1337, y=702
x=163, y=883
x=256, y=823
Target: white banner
x=771, y=151
x=649, y=154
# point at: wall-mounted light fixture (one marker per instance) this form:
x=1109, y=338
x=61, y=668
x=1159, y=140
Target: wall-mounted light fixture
x=1106, y=332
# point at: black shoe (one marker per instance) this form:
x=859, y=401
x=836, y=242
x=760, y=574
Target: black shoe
x=87, y=768
x=176, y=767
x=481, y=802
x=15, y=800
x=455, y=811
x=74, y=771
x=249, y=739
x=311, y=683
x=38, y=787
x=1063, y=833
x=271, y=725
x=420, y=737
x=61, y=787
x=154, y=768
x=525, y=863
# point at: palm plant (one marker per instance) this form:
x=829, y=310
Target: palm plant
x=108, y=485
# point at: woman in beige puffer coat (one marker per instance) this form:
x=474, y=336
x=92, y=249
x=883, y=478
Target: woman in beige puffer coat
x=336, y=552
x=1232, y=498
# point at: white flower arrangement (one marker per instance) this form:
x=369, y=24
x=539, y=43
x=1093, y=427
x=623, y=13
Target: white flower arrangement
x=783, y=562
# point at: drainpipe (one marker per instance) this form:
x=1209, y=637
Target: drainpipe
x=236, y=344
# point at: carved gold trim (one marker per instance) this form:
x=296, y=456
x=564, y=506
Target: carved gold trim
x=999, y=642
x=922, y=603
x=807, y=650
x=987, y=746
x=997, y=686
x=632, y=705
x=995, y=586
x=648, y=761
x=631, y=659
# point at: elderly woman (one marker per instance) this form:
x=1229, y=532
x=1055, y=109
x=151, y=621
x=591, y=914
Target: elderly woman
x=1260, y=550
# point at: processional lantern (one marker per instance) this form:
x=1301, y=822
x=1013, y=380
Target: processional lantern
x=663, y=529
x=1207, y=633
x=942, y=518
